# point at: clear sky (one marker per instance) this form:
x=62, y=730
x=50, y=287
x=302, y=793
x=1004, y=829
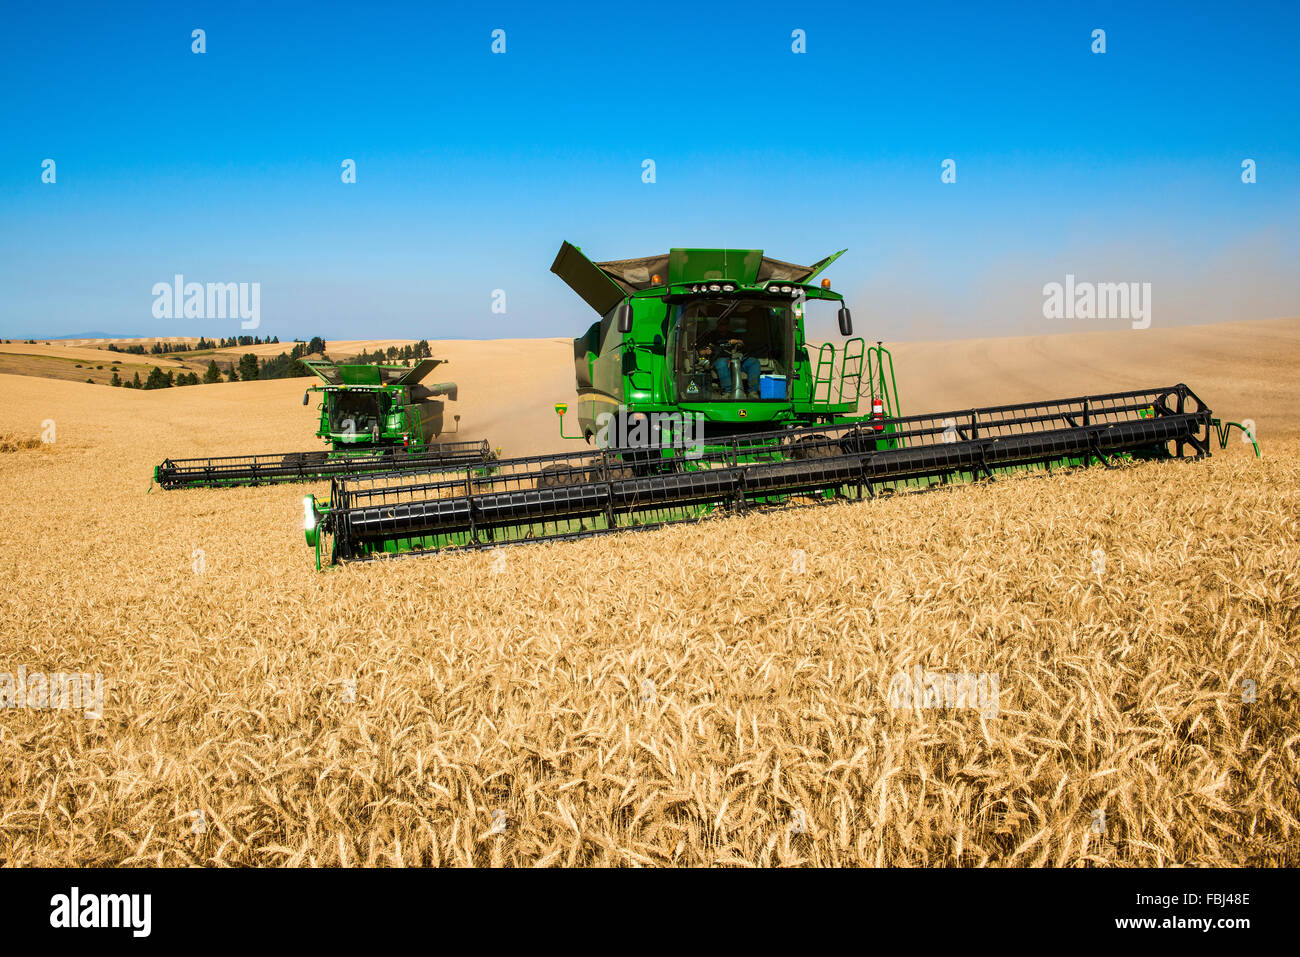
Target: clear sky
x=471, y=167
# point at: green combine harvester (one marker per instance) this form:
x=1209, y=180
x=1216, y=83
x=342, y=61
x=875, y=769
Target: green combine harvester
x=701, y=396
x=373, y=418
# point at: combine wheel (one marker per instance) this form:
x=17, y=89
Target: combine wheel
x=814, y=447
x=304, y=459
x=618, y=472
x=858, y=441
x=557, y=476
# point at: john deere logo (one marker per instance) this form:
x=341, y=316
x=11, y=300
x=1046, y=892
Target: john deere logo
x=743, y=413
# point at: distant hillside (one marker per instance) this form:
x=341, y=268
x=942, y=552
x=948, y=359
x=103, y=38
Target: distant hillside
x=87, y=335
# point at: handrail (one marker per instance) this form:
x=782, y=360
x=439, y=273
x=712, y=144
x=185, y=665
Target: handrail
x=1225, y=429
x=888, y=390
x=850, y=355
x=817, y=374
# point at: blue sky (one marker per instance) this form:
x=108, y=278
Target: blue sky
x=473, y=166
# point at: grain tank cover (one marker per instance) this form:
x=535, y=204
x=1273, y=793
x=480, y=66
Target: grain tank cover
x=332, y=373
x=587, y=279
x=602, y=285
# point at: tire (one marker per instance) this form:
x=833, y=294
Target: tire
x=296, y=460
x=814, y=447
x=557, y=476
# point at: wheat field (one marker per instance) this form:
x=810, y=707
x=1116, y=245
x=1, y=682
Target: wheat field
x=713, y=694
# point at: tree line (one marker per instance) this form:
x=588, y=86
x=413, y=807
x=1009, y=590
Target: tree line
x=161, y=348
x=287, y=365
x=157, y=379
x=420, y=350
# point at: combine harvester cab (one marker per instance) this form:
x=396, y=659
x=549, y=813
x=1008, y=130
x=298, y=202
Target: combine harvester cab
x=698, y=391
x=373, y=418
x=716, y=335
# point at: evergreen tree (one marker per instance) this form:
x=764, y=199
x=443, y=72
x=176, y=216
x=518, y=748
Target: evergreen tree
x=213, y=374
x=283, y=366
x=248, y=366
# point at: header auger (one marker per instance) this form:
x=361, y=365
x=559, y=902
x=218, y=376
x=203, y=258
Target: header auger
x=698, y=392
x=373, y=417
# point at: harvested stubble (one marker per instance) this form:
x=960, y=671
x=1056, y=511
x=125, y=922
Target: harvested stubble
x=677, y=696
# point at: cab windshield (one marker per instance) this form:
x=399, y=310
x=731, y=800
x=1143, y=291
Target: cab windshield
x=358, y=412
x=733, y=350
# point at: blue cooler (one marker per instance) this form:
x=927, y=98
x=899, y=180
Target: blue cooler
x=771, y=387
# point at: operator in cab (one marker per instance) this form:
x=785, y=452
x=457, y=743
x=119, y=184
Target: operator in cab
x=719, y=347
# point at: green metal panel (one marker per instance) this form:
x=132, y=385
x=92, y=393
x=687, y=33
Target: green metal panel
x=586, y=279
x=360, y=375
x=417, y=372
x=698, y=265
x=818, y=268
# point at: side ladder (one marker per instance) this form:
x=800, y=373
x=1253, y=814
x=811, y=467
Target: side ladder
x=850, y=365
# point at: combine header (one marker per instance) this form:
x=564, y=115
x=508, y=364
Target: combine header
x=374, y=418
x=574, y=495
x=699, y=392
